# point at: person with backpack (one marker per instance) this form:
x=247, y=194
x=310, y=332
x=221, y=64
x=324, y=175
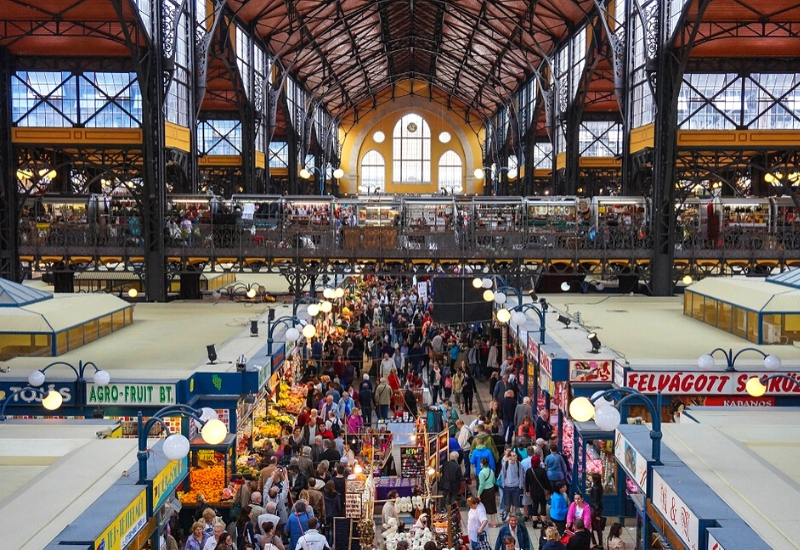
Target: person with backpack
x=513, y=482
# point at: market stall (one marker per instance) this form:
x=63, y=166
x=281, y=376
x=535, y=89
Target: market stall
x=593, y=450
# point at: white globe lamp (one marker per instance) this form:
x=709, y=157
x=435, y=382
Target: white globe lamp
x=214, y=432
x=292, y=335
x=607, y=418
x=503, y=315
x=175, y=447
x=36, y=378
x=309, y=331
x=755, y=388
x=581, y=409
x=500, y=298
x=52, y=400
x=488, y=295
x=706, y=361
x=101, y=378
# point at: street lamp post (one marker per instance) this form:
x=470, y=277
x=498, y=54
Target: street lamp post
x=757, y=386
x=51, y=400
x=480, y=173
x=707, y=362
x=292, y=334
x=100, y=377
x=607, y=418
x=307, y=174
x=176, y=446
x=518, y=318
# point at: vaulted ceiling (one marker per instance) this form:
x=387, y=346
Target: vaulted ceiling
x=476, y=52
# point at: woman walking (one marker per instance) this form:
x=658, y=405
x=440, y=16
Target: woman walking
x=486, y=491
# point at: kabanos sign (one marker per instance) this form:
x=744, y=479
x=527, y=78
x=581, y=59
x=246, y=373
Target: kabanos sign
x=705, y=383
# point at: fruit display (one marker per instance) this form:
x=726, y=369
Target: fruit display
x=291, y=398
x=209, y=482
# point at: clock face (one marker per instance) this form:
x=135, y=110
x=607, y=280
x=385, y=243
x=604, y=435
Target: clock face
x=412, y=127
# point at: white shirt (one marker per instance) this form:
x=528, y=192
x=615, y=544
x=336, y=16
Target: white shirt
x=312, y=540
x=463, y=437
x=474, y=519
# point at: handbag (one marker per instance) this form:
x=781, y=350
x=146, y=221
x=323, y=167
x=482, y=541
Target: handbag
x=483, y=541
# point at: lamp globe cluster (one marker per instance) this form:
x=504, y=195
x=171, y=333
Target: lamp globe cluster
x=605, y=415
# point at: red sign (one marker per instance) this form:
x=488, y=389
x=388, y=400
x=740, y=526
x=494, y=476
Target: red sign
x=705, y=383
x=540, y=355
x=601, y=370
x=735, y=401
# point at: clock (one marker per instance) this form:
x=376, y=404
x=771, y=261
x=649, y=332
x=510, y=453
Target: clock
x=412, y=127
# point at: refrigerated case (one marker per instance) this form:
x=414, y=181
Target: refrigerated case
x=593, y=452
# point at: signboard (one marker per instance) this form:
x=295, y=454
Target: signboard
x=713, y=544
x=27, y=396
x=422, y=289
x=682, y=520
x=619, y=374
x=601, y=370
x=167, y=480
x=634, y=465
x=735, y=401
x=412, y=462
x=263, y=374
x=546, y=383
x=131, y=394
x=125, y=526
x=278, y=356
x=540, y=356
x=706, y=383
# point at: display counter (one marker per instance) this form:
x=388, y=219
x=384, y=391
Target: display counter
x=211, y=470
x=593, y=451
x=404, y=487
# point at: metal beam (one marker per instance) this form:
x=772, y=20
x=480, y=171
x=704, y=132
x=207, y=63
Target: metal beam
x=9, y=213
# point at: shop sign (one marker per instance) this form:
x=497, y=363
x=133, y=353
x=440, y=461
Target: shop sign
x=545, y=382
x=289, y=347
x=539, y=355
x=278, y=356
x=167, y=480
x=736, y=401
x=713, y=544
x=705, y=383
x=601, y=370
x=28, y=395
x=631, y=461
x=124, y=528
x=422, y=289
x=685, y=523
x=130, y=394
x=619, y=374
x=522, y=335
x=263, y=375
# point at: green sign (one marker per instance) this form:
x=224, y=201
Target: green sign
x=131, y=394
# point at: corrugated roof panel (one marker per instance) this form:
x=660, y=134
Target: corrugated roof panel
x=789, y=277
x=20, y=321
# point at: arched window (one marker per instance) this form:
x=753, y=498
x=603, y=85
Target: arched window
x=450, y=173
x=373, y=173
x=411, y=150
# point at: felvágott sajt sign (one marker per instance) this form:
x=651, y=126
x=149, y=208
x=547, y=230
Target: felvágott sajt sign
x=131, y=394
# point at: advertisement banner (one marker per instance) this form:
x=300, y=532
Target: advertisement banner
x=28, y=396
x=167, y=480
x=634, y=465
x=131, y=394
x=705, y=383
x=600, y=370
x=685, y=523
x=124, y=528
x=544, y=360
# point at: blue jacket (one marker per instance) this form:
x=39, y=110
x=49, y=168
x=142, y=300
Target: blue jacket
x=477, y=454
x=297, y=525
x=521, y=536
x=558, y=507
